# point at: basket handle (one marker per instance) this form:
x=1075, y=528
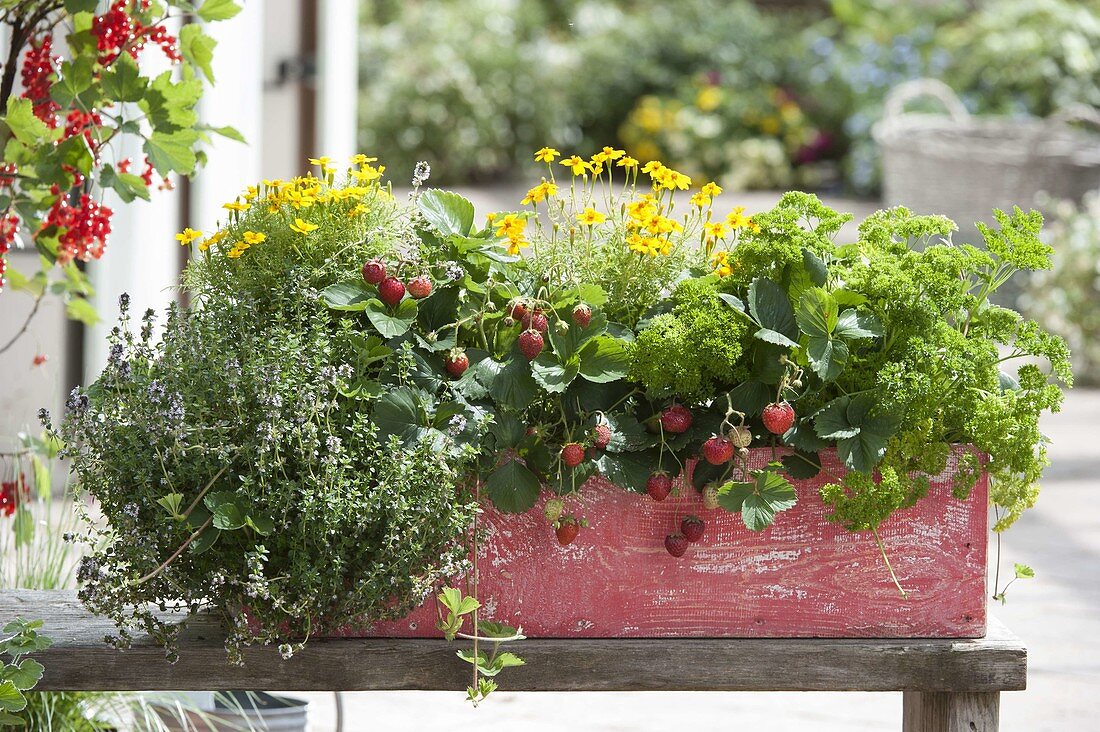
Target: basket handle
x=906, y=92
x=1075, y=113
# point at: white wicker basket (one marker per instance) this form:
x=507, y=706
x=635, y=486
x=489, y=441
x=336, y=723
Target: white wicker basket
x=964, y=166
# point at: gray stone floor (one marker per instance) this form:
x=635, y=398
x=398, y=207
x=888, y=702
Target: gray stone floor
x=1057, y=614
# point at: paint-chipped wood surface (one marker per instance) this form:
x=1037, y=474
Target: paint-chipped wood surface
x=803, y=577
x=79, y=660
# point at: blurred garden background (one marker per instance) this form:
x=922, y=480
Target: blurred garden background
x=759, y=97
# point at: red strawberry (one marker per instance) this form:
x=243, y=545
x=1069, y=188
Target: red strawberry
x=741, y=436
x=582, y=315
x=374, y=271
x=692, y=527
x=572, y=455
x=778, y=418
x=530, y=344
x=710, y=496
x=602, y=437
x=567, y=530
x=536, y=321
x=391, y=291
x=519, y=310
x=676, y=419
x=718, y=450
x=676, y=544
x=456, y=363
x=420, y=287
x=658, y=486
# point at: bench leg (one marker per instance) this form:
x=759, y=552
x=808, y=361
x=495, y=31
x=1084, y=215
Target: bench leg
x=948, y=712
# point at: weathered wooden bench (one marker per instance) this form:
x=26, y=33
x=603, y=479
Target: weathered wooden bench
x=949, y=685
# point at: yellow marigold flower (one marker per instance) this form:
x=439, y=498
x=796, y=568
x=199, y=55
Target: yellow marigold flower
x=188, y=235
x=652, y=167
x=674, y=179
x=642, y=209
x=511, y=226
x=627, y=162
x=253, y=237
x=718, y=260
x=357, y=209
x=237, y=250
x=361, y=159
x=515, y=243
x=737, y=218
x=368, y=173
x=250, y=193
x=599, y=159
x=214, y=239
x=303, y=227
x=591, y=216
x=576, y=165
x=714, y=229
x=611, y=153
x=700, y=199
x=597, y=167
x=489, y=217
x=321, y=161
x=546, y=155
x=235, y=206
x=711, y=189
x=540, y=192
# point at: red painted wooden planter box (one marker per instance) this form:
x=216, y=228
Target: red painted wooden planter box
x=804, y=576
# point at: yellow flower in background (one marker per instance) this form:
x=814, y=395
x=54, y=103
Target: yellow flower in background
x=253, y=237
x=711, y=189
x=714, y=230
x=700, y=199
x=235, y=206
x=611, y=153
x=737, y=218
x=708, y=98
x=546, y=155
x=321, y=161
x=361, y=159
x=627, y=162
x=542, y=191
x=303, y=227
x=215, y=238
x=250, y=193
x=591, y=216
x=511, y=226
x=577, y=165
x=188, y=235
x=719, y=260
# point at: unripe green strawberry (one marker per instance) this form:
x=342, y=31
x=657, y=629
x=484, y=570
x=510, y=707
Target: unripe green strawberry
x=553, y=509
x=741, y=436
x=710, y=496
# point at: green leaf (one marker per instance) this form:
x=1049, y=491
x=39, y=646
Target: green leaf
x=127, y=185
x=26, y=128
x=213, y=10
x=197, y=48
x=629, y=470
x=831, y=421
x=511, y=384
x=447, y=212
x=604, y=359
x=23, y=526
x=205, y=540
x=9, y=719
x=1024, y=572
x=171, y=503
x=817, y=313
x=26, y=675
x=11, y=699
x=828, y=356
x=347, y=296
x=568, y=343
x=228, y=132
x=512, y=487
x=773, y=336
x=171, y=151
x=732, y=300
x=81, y=6
x=802, y=465
x=227, y=509
x=760, y=500
x=399, y=413
x=262, y=525
x=123, y=82
x=553, y=375
x=770, y=307
x=861, y=438
x=811, y=272
x=78, y=308
x=852, y=324
x=751, y=397
x=394, y=322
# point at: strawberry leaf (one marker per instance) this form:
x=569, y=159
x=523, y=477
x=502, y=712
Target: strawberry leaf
x=512, y=487
x=771, y=309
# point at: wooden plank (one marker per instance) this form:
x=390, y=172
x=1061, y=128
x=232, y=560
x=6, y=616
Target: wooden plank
x=79, y=660
x=803, y=577
x=948, y=712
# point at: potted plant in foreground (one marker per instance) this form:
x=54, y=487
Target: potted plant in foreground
x=613, y=412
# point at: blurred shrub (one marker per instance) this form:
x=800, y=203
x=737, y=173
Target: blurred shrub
x=757, y=137
x=1066, y=299
x=473, y=87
